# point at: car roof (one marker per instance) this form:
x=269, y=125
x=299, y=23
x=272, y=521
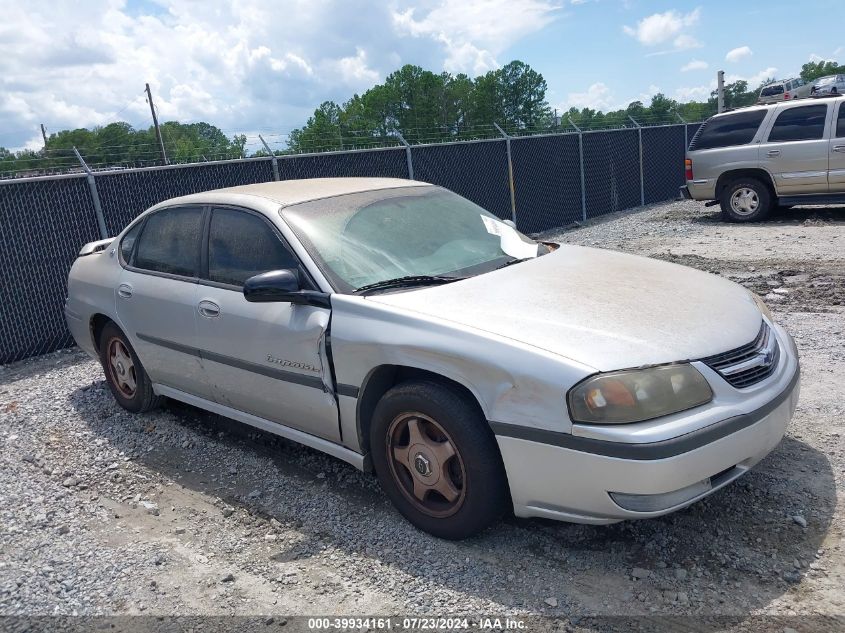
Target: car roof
x=769, y=106
x=267, y=195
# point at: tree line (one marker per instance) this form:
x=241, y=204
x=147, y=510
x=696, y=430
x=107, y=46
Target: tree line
x=121, y=145
x=419, y=105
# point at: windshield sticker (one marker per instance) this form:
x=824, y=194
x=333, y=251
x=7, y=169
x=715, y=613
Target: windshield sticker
x=509, y=239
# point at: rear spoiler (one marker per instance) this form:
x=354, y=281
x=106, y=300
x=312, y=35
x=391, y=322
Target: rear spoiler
x=95, y=247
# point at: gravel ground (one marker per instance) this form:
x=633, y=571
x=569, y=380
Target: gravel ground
x=184, y=512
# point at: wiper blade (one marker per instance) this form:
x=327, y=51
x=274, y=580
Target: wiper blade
x=409, y=280
x=514, y=261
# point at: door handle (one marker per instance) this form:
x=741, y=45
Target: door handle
x=124, y=290
x=208, y=309
x=773, y=152
x=839, y=148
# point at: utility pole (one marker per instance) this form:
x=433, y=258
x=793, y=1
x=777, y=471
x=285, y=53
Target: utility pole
x=44, y=135
x=720, y=90
x=155, y=124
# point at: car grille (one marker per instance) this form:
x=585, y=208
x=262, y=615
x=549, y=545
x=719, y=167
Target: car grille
x=749, y=364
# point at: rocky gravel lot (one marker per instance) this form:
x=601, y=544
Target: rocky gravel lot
x=184, y=512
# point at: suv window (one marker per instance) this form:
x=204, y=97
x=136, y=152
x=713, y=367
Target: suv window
x=128, y=242
x=170, y=242
x=241, y=245
x=840, y=121
x=769, y=91
x=799, y=124
x=728, y=130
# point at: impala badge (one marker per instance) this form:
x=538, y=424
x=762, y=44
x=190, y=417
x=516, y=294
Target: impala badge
x=291, y=363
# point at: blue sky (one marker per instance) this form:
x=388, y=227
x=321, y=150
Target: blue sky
x=261, y=66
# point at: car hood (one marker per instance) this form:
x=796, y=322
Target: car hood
x=601, y=308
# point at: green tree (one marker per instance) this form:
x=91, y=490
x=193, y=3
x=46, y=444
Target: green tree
x=813, y=70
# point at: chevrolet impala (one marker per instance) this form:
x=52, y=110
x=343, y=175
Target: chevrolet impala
x=400, y=327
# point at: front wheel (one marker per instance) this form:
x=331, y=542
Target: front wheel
x=437, y=460
x=746, y=200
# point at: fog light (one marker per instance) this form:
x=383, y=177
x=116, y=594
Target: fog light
x=664, y=501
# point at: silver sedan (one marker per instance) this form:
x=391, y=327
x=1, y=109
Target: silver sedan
x=403, y=329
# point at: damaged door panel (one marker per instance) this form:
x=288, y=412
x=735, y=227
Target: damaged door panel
x=269, y=359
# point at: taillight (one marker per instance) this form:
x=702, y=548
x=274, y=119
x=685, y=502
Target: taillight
x=688, y=168
x=786, y=95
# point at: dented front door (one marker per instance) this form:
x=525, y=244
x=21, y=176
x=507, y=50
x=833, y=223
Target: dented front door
x=268, y=359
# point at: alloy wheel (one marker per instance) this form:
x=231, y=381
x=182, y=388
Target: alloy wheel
x=121, y=368
x=426, y=464
x=745, y=201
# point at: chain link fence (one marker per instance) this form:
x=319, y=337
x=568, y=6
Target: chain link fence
x=541, y=182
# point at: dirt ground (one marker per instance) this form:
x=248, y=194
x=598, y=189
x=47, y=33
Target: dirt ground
x=180, y=512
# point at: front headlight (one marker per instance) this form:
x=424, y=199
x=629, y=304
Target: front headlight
x=761, y=305
x=634, y=395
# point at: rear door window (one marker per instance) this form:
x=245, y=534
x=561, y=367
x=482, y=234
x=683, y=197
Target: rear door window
x=170, y=242
x=728, y=130
x=840, y=122
x=799, y=124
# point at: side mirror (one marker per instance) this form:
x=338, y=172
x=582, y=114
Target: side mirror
x=510, y=223
x=282, y=286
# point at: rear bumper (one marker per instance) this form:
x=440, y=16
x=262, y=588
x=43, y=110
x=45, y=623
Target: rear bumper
x=700, y=189
x=619, y=482
x=685, y=194
x=79, y=329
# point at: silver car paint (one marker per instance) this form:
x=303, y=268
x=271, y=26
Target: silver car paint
x=561, y=303
x=519, y=377
x=796, y=168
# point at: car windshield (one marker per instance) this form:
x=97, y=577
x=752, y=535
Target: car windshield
x=367, y=238
x=826, y=80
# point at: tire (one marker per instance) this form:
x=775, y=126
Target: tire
x=474, y=473
x=746, y=200
x=129, y=383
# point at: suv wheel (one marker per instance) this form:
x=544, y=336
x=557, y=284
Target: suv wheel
x=129, y=383
x=437, y=460
x=746, y=200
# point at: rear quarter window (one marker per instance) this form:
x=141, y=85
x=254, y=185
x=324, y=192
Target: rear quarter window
x=799, y=124
x=728, y=130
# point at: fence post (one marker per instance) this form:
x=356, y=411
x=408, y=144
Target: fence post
x=408, y=158
x=642, y=179
x=92, y=185
x=510, y=170
x=273, y=159
x=581, y=168
x=684, y=122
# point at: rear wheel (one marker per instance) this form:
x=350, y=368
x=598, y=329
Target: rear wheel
x=746, y=200
x=437, y=459
x=129, y=383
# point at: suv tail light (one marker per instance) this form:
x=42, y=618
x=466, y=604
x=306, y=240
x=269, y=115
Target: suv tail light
x=688, y=168
x=786, y=95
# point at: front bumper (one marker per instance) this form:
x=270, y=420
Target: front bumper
x=599, y=482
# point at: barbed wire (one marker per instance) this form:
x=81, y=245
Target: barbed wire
x=147, y=154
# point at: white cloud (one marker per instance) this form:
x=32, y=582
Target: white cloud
x=753, y=80
x=692, y=93
x=598, y=97
x=695, y=64
x=473, y=33
x=671, y=26
x=244, y=65
x=736, y=54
